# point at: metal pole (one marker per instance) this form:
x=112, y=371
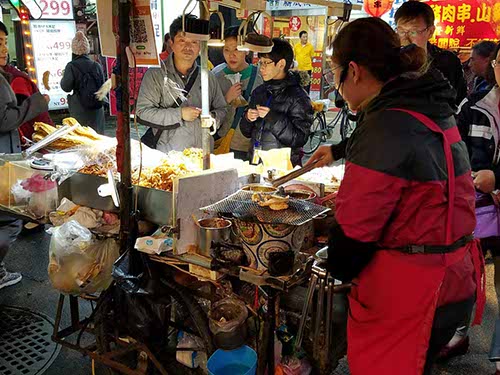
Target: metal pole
x=206, y=120
x=125, y=185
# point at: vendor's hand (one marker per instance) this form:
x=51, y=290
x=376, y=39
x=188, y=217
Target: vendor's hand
x=47, y=98
x=252, y=115
x=190, y=113
x=484, y=181
x=233, y=92
x=323, y=156
x=263, y=111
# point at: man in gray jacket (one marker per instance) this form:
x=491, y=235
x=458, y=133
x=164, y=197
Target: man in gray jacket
x=159, y=104
x=12, y=117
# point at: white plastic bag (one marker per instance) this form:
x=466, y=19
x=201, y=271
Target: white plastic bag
x=78, y=264
x=240, y=100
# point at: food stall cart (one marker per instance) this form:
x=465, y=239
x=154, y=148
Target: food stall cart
x=187, y=269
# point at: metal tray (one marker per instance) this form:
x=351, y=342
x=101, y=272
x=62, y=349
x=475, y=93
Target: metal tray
x=154, y=205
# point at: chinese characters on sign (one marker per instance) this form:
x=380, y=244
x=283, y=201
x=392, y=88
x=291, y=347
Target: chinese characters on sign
x=461, y=23
x=52, y=51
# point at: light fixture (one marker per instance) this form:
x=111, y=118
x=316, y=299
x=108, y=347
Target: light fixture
x=217, y=40
x=253, y=41
x=195, y=28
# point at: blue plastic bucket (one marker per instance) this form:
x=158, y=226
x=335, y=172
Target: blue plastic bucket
x=241, y=361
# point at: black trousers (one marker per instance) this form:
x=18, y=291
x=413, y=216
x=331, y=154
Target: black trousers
x=446, y=321
x=308, y=87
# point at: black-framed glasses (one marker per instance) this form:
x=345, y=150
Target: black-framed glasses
x=411, y=33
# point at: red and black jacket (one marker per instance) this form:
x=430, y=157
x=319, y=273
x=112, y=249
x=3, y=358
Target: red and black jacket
x=394, y=192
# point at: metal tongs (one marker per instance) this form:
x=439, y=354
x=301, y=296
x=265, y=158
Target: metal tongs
x=292, y=175
x=59, y=133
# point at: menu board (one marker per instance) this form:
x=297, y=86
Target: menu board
x=51, y=52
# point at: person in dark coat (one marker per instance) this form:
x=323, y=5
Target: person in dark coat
x=86, y=113
x=415, y=24
x=403, y=230
x=280, y=113
x=12, y=116
x=22, y=86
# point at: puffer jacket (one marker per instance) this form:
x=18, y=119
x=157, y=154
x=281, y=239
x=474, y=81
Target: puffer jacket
x=12, y=115
x=289, y=121
x=479, y=125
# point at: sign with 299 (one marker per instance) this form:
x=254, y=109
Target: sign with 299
x=56, y=9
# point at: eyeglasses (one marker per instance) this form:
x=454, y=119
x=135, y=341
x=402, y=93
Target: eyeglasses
x=494, y=64
x=412, y=33
x=265, y=64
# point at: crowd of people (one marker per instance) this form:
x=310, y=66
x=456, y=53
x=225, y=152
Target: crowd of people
x=422, y=161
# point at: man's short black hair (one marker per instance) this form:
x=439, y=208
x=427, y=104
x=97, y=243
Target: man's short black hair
x=176, y=25
x=415, y=9
x=3, y=28
x=484, y=48
x=302, y=33
x=281, y=50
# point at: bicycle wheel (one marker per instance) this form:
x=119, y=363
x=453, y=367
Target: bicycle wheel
x=317, y=134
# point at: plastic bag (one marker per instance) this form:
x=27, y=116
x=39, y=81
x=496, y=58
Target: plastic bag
x=240, y=101
x=227, y=315
x=78, y=264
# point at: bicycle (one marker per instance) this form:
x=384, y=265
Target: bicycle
x=321, y=131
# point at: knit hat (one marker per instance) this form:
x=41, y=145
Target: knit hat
x=80, y=44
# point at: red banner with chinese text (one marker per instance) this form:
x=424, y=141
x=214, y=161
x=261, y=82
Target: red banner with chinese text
x=461, y=23
x=317, y=64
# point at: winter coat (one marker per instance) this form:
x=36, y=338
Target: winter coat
x=395, y=194
x=451, y=67
x=479, y=124
x=156, y=100
x=70, y=82
x=289, y=121
x=24, y=87
x=13, y=116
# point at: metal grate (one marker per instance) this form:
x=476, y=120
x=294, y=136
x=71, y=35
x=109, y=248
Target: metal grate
x=241, y=206
x=26, y=347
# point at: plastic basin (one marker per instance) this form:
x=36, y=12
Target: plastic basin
x=241, y=361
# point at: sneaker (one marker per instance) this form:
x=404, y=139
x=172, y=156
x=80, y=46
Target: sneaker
x=9, y=279
x=456, y=350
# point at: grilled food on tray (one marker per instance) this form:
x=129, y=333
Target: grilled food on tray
x=82, y=135
x=274, y=202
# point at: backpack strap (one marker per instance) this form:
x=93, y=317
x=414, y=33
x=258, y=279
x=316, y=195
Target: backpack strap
x=187, y=88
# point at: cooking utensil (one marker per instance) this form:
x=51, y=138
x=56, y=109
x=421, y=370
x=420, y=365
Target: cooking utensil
x=213, y=230
x=292, y=175
x=49, y=139
x=240, y=204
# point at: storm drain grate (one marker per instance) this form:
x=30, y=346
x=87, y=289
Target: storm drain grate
x=26, y=347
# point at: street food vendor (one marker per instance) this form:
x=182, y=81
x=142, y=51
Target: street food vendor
x=404, y=224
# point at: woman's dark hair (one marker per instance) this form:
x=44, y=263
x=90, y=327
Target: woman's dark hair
x=490, y=72
x=372, y=43
x=3, y=28
x=281, y=50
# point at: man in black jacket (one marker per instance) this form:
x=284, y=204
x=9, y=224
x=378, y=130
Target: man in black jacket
x=280, y=113
x=415, y=24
